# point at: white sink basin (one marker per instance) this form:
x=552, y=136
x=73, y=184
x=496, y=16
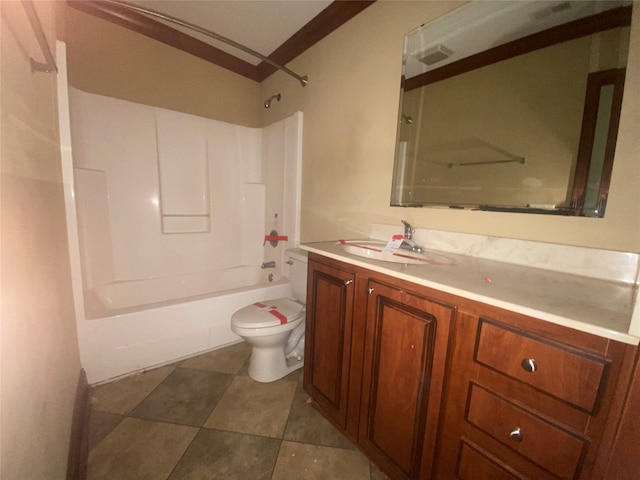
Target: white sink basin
x=372, y=249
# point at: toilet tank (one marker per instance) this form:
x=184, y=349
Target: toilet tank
x=298, y=273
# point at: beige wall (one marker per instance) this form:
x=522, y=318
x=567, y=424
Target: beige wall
x=350, y=110
x=40, y=360
x=110, y=60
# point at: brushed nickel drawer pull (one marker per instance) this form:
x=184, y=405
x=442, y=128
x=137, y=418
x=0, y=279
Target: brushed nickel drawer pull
x=529, y=365
x=348, y=282
x=516, y=435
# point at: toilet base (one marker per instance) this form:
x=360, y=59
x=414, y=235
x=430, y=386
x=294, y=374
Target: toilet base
x=268, y=364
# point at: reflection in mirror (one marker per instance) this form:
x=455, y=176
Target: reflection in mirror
x=513, y=106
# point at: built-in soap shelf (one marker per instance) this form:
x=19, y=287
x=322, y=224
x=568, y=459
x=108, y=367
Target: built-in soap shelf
x=183, y=172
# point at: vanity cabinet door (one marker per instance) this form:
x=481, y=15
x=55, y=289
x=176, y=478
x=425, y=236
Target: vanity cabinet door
x=405, y=351
x=330, y=305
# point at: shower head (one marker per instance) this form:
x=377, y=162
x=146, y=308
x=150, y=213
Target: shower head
x=267, y=103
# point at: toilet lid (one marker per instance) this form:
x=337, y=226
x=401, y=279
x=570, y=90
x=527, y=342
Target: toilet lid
x=268, y=313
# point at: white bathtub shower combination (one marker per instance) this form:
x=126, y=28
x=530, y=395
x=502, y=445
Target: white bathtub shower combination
x=166, y=215
x=138, y=337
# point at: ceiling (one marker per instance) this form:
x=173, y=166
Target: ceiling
x=262, y=25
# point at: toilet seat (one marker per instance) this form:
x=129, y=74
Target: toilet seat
x=269, y=313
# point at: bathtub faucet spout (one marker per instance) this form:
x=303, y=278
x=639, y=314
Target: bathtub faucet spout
x=271, y=264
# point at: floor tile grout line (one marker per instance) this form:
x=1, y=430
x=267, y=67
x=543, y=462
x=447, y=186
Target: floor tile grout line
x=273, y=470
x=217, y=429
x=91, y=411
x=151, y=392
x=234, y=376
x=293, y=398
x=200, y=429
x=183, y=454
x=129, y=413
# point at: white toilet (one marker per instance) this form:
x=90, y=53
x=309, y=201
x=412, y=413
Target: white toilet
x=275, y=328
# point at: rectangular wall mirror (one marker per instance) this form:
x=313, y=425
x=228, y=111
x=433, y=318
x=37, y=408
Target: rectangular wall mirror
x=512, y=106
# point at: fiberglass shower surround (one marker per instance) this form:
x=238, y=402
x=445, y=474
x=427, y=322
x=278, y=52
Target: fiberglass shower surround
x=175, y=193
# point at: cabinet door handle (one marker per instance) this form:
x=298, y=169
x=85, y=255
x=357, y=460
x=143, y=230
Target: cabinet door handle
x=370, y=290
x=516, y=435
x=529, y=365
x=348, y=282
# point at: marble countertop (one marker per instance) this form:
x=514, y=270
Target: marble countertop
x=600, y=307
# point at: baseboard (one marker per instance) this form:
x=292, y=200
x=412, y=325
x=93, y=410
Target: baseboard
x=79, y=444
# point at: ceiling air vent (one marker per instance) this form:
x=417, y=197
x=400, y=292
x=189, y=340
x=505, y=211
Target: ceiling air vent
x=547, y=11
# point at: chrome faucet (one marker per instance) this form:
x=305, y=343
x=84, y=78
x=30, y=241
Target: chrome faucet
x=271, y=264
x=408, y=243
x=408, y=230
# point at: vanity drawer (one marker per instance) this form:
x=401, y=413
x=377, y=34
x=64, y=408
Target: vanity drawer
x=542, y=442
x=562, y=371
x=476, y=464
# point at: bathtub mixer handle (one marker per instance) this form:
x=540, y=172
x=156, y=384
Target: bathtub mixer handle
x=273, y=238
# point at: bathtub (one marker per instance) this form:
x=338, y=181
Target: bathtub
x=136, y=325
x=135, y=294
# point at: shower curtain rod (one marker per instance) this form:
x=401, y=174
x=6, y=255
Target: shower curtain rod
x=146, y=11
x=50, y=64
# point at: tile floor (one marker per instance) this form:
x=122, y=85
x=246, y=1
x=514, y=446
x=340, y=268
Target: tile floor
x=205, y=418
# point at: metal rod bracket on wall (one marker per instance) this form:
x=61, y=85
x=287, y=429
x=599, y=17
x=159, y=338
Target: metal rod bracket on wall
x=50, y=65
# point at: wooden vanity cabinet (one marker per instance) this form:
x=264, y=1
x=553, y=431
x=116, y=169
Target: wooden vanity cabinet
x=624, y=462
x=435, y=386
x=375, y=363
